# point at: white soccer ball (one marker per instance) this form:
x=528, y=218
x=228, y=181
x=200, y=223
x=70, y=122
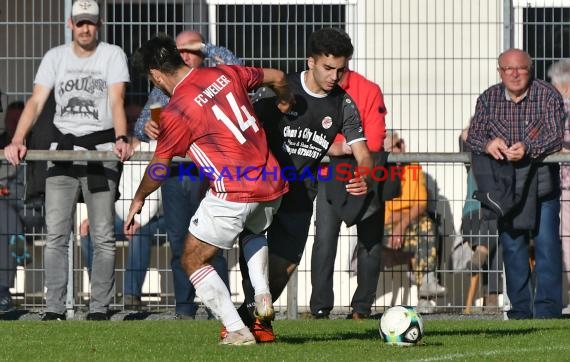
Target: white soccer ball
x=401, y=326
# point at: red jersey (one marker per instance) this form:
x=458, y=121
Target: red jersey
x=210, y=118
x=369, y=100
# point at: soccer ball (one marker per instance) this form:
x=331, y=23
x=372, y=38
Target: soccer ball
x=401, y=326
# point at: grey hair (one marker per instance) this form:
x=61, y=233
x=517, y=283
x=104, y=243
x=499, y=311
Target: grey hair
x=559, y=72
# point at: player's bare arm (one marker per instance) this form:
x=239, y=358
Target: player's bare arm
x=17, y=149
x=276, y=80
x=340, y=148
x=359, y=184
x=151, y=181
x=193, y=46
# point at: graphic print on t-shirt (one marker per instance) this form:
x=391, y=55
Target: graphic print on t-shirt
x=77, y=105
x=306, y=142
x=78, y=95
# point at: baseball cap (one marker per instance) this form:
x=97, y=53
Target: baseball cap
x=85, y=10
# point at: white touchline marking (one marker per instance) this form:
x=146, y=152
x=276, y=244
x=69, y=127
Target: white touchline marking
x=490, y=353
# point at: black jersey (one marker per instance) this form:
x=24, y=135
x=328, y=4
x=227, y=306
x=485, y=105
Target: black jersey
x=302, y=137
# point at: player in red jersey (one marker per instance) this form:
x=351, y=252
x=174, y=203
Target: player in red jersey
x=210, y=118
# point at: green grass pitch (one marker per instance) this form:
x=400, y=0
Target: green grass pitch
x=300, y=340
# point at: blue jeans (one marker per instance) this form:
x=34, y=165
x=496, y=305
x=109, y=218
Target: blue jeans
x=547, y=288
x=138, y=259
x=180, y=200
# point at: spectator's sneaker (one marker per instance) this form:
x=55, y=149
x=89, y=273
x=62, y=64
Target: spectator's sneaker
x=97, y=316
x=321, y=314
x=426, y=306
x=243, y=337
x=430, y=286
x=358, y=316
x=131, y=302
x=5, y=304
x=51, y=316
x=264, y=307
x=184, y=317
x=263, y=332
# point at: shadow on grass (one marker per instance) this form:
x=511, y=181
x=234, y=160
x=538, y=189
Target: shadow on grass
x=368, y=334
x=356, y=335
x=136, y=316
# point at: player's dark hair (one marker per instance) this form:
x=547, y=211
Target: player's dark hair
x=158, y=53
x=330, y=41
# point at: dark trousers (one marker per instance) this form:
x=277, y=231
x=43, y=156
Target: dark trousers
x=370, y=232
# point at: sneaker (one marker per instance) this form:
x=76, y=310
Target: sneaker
x=97, y=316
x=430, y=286
x=263, y=331
x=5, y=304
x=131, y=302
x=184, y=317
x=51, y=316
x=243, y=337
x=479, y=258
x=492, y=303
x=321, y=314
x=264, y=307
x=566, y=310
x=358, y=316
x=426, y=306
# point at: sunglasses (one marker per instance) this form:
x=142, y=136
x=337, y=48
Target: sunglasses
x=195, y=52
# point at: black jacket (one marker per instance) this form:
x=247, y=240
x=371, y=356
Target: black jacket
x=511, y=191
x=353, y=209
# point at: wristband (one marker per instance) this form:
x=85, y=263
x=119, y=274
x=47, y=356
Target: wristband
x=122, y=138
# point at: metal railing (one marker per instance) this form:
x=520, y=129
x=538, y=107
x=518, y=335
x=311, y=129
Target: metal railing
x=295, y=300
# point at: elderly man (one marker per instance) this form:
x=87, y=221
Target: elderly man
x=516, y=123
x=559, y=74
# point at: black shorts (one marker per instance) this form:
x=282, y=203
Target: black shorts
x=287, y=235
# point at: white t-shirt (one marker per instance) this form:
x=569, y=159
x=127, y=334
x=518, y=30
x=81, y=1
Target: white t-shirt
x=81, y=86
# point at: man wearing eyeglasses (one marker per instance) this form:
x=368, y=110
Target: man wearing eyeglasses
x=516, y=123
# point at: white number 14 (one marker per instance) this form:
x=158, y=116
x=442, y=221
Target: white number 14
x=239, y=112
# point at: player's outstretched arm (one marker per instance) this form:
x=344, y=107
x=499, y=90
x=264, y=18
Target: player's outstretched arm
x=276, y=80
x=359, y=184
x=156, y=172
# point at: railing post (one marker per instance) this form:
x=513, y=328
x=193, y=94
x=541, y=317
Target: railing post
x=69, y=302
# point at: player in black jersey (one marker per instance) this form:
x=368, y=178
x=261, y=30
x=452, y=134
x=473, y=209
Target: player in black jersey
x=300, y=140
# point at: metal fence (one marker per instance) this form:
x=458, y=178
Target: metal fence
x=394, y=286
x=431, y=58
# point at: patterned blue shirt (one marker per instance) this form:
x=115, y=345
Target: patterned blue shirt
x=537, y=120
x=213, y=55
